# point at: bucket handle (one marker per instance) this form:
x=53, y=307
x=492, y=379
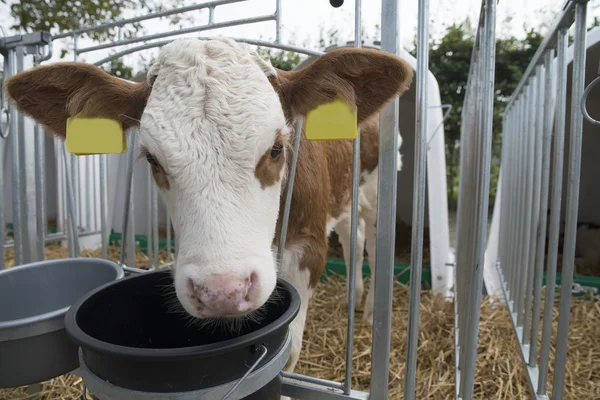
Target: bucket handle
x=261, y=348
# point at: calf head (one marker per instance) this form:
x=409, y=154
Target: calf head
x=214, y=122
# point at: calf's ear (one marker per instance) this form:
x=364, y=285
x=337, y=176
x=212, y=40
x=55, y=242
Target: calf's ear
x=364, y=78
x=52, y=93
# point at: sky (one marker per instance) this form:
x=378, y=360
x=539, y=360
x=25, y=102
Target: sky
x=303, y=19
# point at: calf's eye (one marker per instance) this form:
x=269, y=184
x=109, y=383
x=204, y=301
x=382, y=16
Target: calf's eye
x=151, y=160
x=276, y=150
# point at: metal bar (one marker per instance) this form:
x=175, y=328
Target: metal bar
x=546, y=114
x=128, y=195
x=352, y=268
x=572, y=206
x=564, y=20
x=555, y=205
x=40, y=188
x=305, y=390
x=254, y=42
x=131, y=242
x=278, y=19
x=218, y=25
x=474, y=201
x=122, y=22
x=168, y=223
x=52, y=238
x=418, y=212
x=103, y=205
x=531, y=373
x=519, y=196
x=528, y=178
x=537, y=137
x=313, y=380
x=88, y=191
x=95, y=181
x=2, y=222
x=386, y=217
x=72, y=215
x=149, y=216
x=289, y=189
x=155, y=225
x=27, y=170
x=16, y=166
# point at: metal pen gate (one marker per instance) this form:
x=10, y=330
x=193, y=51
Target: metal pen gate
x=534, y=123
x=84, y=183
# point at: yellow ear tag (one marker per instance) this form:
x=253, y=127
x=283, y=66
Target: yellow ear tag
x=89, y=136
x=332, y=121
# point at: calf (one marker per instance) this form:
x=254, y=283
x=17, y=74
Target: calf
x=216, y=124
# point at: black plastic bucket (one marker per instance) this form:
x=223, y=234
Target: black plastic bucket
x=135, y=339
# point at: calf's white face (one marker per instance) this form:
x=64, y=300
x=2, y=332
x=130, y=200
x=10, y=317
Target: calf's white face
x=214, y=128
x=214, y=123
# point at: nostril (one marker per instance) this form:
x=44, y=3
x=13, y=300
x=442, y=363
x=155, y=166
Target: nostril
x=251, y=287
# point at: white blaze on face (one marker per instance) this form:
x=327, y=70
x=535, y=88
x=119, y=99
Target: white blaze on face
x=211, y=117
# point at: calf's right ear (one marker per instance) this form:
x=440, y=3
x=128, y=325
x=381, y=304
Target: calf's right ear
x=50, y=94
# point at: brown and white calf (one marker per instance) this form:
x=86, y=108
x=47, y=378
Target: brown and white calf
x=216, y=125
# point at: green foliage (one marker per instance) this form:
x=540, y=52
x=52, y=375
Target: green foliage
x=118, y=68
x=450, y=58
x=285, y=60
x=57, y=16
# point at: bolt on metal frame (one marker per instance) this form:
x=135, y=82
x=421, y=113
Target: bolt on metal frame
x=533, y=124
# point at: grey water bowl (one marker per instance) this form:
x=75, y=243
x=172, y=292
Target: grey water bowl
x=34, y=299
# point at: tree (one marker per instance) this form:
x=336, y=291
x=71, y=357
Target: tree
x=60, y=16
x=450, y=58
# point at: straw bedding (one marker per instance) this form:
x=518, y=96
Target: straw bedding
x=500, y=374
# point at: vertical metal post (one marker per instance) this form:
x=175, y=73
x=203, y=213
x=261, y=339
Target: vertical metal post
x=537, y=138
x=546, y=115
x=103, y=205
x=128, y=201
x=526, y=210
x=418, y=213
x=40, y=188
x=352, y=268
x=16, y=166
x=555, y=205
x=149, y=216
x=89, y=200
x=3, y=140
x=289, y=191
x=27, y=177
x=481, y=195
x=572, y=206
x=155, y=223
x=386, y=217
x=72, y=213
x=278, y=20
x=168, y=223
x=95, y=196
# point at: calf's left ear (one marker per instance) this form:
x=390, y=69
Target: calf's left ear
x=365, y=78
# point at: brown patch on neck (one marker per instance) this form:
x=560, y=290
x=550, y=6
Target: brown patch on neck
x=268, y=169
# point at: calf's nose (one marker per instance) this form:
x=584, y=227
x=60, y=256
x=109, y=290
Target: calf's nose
x=225, y=295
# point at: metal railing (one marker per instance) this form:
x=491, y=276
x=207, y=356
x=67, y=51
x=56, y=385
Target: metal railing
x=476, y=137
x=533, y=124
x=475, y=160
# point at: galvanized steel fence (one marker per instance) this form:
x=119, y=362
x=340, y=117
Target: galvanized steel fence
x=534, y=130
x=81, y=192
